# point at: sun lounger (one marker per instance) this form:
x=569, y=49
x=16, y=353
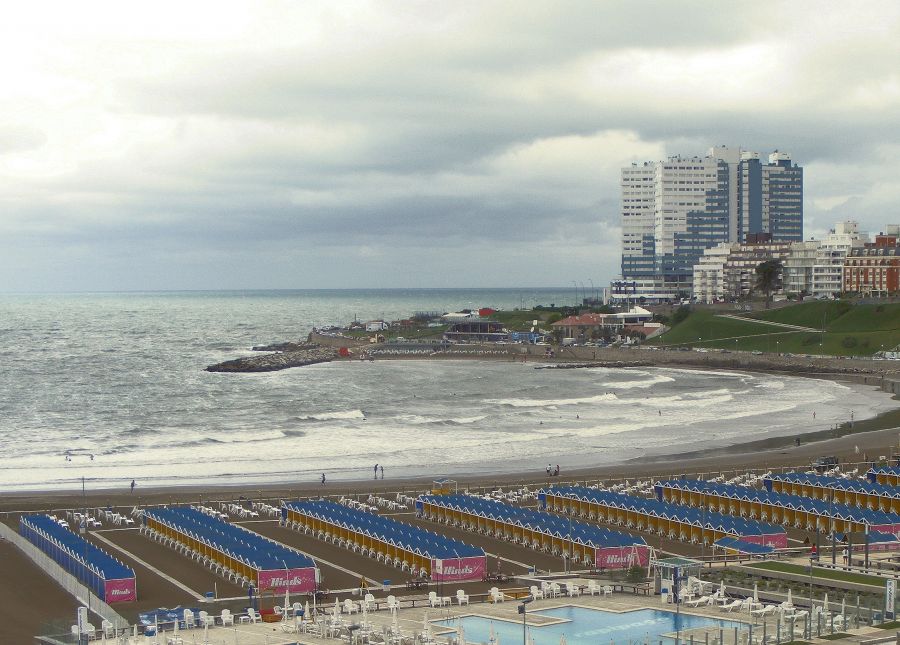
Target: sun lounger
x=696, y=602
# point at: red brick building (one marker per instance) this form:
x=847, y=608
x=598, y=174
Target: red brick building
x=874, y=269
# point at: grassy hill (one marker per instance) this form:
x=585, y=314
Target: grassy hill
x=850, y=330
x=807, y=314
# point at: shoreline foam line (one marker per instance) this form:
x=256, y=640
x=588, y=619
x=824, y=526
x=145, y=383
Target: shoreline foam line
x=200, y=597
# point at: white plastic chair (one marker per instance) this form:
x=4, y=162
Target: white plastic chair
x=536, y=593
x=461, y=597
x=433, y=599
x=227, y=618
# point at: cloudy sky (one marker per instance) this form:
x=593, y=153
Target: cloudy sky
x=197, y=145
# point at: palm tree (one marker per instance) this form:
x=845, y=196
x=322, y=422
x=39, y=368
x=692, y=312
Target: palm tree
x=768, y=274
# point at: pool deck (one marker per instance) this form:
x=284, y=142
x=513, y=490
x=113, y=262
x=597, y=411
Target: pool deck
x=410, y=621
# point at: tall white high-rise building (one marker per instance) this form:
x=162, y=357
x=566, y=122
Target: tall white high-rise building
x=673, y=210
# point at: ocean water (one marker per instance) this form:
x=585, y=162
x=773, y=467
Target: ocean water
x=117, y=382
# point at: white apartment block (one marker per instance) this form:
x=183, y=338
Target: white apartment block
x=813, y=267
x=799, y=267
x=709, y=273
x=828, y=277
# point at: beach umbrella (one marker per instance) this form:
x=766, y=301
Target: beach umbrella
x=843, y=606
x=306, y=611
x=722, y=589
x=755, y=592
x=287, y=600
x=790, y=600
x=337, y=610
x=825, y=602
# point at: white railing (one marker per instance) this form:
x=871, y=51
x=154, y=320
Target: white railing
x=65, y=579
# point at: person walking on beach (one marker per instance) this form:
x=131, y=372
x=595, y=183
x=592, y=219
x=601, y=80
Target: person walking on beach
x=376, y=471
x=323, y=479
x=549, y=468
x=382, y=471
x=132, y=487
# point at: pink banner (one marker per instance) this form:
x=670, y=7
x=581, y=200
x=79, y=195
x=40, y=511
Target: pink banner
x=774, y=540
x=123, y=590
x=459, y=569
x=622, y=557
x=301, y=580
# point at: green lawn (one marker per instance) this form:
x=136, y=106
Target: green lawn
x=869, y=318
x=807, y=314
x=518, y=320
x=702, y=324
x=858, y=330
x=822, y=574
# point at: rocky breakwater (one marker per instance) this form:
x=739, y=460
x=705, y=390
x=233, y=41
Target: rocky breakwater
x=285, y=355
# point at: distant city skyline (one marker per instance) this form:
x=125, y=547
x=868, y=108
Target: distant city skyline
x=675, y=209
x=389, y=144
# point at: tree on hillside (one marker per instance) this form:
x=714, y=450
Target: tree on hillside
x=768, y=274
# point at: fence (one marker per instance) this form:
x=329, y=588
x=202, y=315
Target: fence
x=66, y=580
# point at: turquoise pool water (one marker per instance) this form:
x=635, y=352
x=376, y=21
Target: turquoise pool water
x=589, y=626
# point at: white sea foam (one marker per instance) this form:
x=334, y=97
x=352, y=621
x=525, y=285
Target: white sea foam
x=331, y=416
x=548, y=403
x=649, y=382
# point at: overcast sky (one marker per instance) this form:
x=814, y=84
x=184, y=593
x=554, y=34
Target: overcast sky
x=197, y=145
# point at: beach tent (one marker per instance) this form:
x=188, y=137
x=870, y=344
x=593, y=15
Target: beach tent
x=246, y=555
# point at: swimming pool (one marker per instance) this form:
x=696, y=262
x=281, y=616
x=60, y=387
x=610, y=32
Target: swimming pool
x=583, y=626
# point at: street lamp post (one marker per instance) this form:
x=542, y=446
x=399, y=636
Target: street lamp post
x=524, y=611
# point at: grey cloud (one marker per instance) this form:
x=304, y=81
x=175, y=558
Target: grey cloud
x=419, y=147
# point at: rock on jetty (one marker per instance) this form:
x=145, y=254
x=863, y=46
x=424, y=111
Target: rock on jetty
x=575, y=366
x=294, y=355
